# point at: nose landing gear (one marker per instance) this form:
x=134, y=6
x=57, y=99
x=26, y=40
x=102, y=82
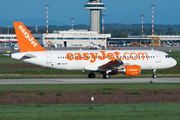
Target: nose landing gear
x=154, y=73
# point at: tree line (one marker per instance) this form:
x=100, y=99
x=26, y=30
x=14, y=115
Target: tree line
x=123, y=33
x=116, y=30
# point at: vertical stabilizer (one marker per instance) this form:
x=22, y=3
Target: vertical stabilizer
x=25, y=39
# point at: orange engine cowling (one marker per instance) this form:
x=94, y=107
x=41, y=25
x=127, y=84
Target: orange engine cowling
x=131, y=70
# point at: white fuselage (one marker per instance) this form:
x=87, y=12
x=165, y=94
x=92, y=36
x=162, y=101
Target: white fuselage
x=92, y=59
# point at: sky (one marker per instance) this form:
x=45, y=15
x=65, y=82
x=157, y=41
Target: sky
x=33, y=12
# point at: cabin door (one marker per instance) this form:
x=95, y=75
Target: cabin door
x=158, y=58
x=48, y=58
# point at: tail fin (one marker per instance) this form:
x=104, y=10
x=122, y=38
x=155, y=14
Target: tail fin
x=10, y=44
x=25, y=40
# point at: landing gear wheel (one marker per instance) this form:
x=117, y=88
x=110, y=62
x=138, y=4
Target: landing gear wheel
x=154, y=76
x=106, y=76
x=91, y=75
x=154, y=73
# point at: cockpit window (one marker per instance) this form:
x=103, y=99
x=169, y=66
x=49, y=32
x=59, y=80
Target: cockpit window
x=167, y=56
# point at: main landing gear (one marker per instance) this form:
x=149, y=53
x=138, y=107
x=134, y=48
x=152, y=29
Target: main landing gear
x=154, y=73
x=91, y=75
x=106, y=76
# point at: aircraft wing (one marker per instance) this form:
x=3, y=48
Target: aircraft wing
x=106, y=66
x=111, y=64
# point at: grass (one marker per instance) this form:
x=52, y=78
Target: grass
x=100, y=86
x=133, y=93
x=27, y=95
x=155, y=91
x=91, y=112
x=3, y=56
x=2, y=93
x=58, y=94
x=42, y=93
x=106, y=92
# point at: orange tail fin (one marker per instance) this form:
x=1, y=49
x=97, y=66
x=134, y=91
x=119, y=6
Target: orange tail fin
x=25, y=40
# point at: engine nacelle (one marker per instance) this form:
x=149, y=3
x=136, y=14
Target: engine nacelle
x=131, y=70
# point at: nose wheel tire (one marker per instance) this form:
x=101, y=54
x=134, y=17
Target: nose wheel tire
x=154, y=76
x=106, y=76
x=91, y=75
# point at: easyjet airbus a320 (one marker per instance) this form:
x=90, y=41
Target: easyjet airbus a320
x=107, y=62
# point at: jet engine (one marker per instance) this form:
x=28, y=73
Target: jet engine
x=131, y=70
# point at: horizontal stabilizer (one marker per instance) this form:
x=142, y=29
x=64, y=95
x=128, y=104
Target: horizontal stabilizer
x=9, y=55
x=27, y=56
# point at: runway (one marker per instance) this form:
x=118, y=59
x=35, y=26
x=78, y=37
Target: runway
x=88, y=81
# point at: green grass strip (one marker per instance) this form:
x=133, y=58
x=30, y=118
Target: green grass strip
x=91, y=112
x=90, y=86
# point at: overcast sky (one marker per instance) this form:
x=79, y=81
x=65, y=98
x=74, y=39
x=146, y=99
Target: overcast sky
x=117, y=11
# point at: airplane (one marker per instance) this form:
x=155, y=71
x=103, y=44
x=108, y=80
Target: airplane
x=14, y=47
x=107, y=62
x=94, y=46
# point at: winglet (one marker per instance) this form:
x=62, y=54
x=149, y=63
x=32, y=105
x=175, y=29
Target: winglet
x=26, y=41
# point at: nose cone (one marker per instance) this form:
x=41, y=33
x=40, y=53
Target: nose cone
x=173, y=62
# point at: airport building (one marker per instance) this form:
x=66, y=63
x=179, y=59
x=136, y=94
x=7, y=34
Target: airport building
x=82, y=38
x=167, y=39
x=4, y=39
x=70, y=38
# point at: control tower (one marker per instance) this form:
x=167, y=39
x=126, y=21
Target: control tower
x=95, y=7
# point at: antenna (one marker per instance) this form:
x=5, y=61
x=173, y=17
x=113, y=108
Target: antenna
x=72, y=22
x=142, y=15
x=153, y=18
x=36, y=29
x=103, y=25
x=47, y=6
x=8, y=28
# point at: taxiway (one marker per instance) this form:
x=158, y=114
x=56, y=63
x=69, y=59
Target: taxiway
x=88, y=81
